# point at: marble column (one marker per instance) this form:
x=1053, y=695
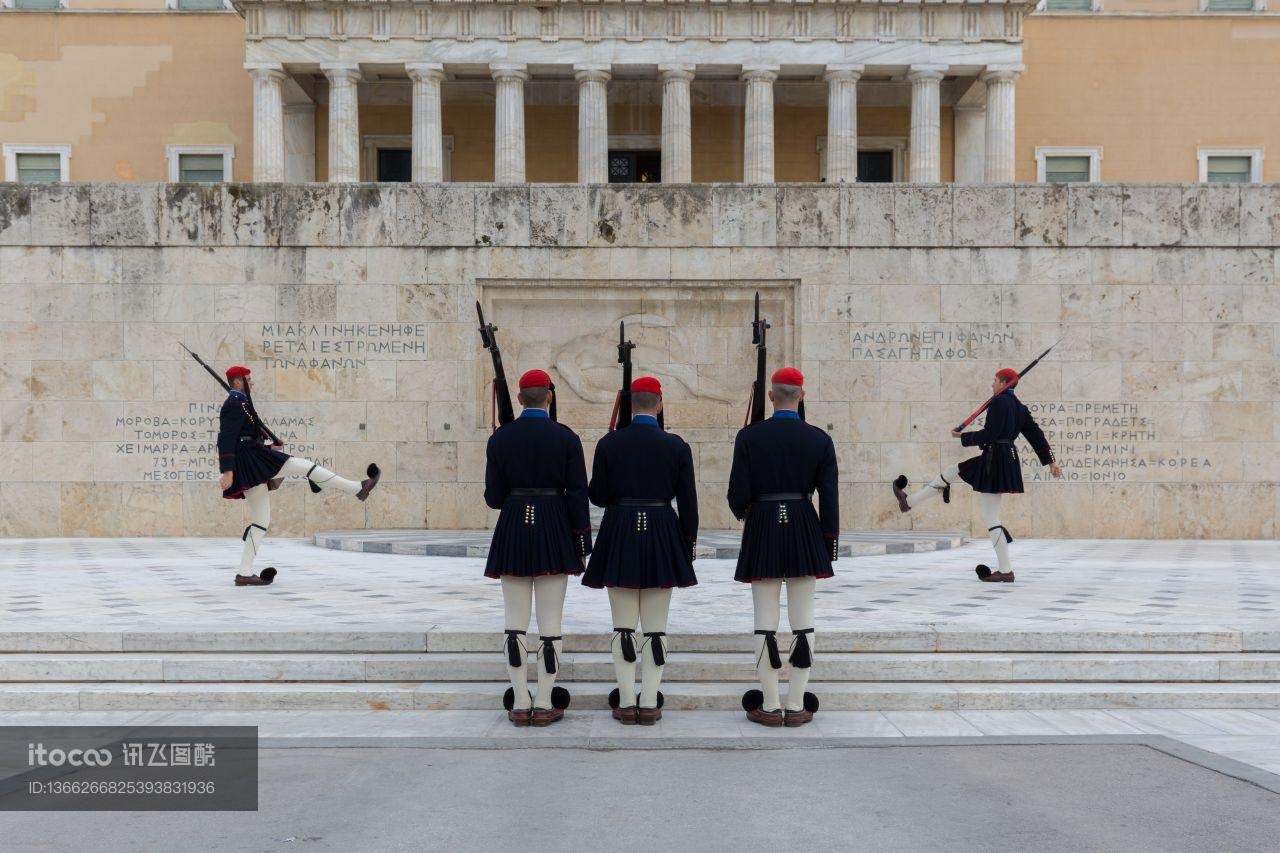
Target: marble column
x=268, y=121
x=842, y=122
x=1000, y=123
x=971, y=146
x=508, y=154
x=926, y=123
x=757, y=153
x=593, y=123
x=428, y=128
x=300, y=143
x=344, y=121
x=677, y=125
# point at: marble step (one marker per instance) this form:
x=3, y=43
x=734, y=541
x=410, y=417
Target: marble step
x=470, y=696
x=906, y=639
x=214, y=667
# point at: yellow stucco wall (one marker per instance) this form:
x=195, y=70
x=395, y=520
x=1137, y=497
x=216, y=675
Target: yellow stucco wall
x=1148, y=89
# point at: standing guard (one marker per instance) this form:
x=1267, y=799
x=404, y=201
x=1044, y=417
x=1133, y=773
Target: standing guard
x=251, y=469
x=996, y=472
x=645, y=547
x=777, y=466
x=537, y=476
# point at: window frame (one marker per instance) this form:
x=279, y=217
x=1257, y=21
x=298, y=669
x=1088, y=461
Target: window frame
x=371, y=142
x=13, y=149
x=1256, y=154
x=1258, y=6
x=12, y=4
x=896, y=145
x=173, y=154
x=1093, y=152
x=172, y=5
x=1042, y=7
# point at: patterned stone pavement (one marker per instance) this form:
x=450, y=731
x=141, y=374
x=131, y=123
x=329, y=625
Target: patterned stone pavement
x=172, y=584
x=714, y=544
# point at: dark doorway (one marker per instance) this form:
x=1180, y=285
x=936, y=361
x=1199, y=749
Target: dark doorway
x=635, y=167
x=875, y=167
x=396, y=164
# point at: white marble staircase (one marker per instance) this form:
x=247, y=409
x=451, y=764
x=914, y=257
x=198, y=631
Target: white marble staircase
x=908, y=669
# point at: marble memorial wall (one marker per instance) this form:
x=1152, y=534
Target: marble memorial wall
x=354, y=305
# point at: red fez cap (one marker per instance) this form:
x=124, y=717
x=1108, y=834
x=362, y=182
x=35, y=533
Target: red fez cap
x=535, y=379
x=1008, y=374
x=789, y=376
x=646, y=385
x=236, y=372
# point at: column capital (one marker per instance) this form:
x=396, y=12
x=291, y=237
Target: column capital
x=341, y=71
x=509, y=71
x=1001, y=73
x=765, y=73
x=265, y=70
x=421, y=72
x=927, y=72
x=850, y=73
x=675, y=72
x=592, y=72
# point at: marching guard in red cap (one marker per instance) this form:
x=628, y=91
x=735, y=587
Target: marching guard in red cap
x=536, y=475
x=995, y=473
x=251, y=469
x=645, y=548
x=778, y=465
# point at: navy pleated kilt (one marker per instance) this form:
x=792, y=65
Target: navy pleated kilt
x=996, y=471
x=640, y=547
x=775, y=545
x=532, y=538
x=255, y=463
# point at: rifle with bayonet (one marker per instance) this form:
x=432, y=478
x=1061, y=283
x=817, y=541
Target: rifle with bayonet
x=759, y=334
x=502, y=412
x=984, y=406
x=621, y=416
x=266, y=431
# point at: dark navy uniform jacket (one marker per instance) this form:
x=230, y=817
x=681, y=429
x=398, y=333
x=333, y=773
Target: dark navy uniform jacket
x=785, y=537
x=537, y=534
x=240, y=448
x=643, y=547
x=998, y=470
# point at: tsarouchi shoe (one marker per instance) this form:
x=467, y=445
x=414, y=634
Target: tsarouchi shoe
x=520, y=716
x=772, y=719
x=626, y=716
x=265, y=579
x=366, y=486
x=648, y=716
x=797, y=718
x=547, y=716
x=899, y=492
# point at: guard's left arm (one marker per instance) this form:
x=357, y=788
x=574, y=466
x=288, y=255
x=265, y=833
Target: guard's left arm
x=687, y=500
x=1034, y=435
x=828, y=488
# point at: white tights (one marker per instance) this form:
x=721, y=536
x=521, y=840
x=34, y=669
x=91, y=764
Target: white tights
x=767, y=596
x=518, y=595
x=633, y=609
x=990, y=512
x=259, y=501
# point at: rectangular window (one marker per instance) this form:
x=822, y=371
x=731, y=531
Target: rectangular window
x=37, y=4
x=39, y=168
x=1229, y=6
x=1066, y=169
x=1229, y=170
x=1070, y=5
x=201, y=168
x=200, y=5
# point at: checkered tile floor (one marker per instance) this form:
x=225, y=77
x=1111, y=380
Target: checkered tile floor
x=171, y=584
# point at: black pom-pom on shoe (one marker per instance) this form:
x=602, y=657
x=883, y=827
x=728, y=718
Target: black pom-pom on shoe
x=268, y=574
x=810, y=702
x=900, y=482
x=375, y=474
x=984, y=571
x=752, y=700
x=615, y=698
x=560, y=698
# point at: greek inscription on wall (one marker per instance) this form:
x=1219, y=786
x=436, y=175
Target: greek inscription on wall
x=929, y=343
x=310, y=346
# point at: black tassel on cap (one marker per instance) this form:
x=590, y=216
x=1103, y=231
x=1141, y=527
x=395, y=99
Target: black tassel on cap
x=655, y=648
x=552, y=389
x=628, y=643
x=549, y=654
x=801, y=654
x=771, y=646
x=515, y=654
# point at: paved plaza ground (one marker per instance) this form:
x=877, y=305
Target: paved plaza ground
x=1045, y=778
x=169, y=584
x=1085, y=797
